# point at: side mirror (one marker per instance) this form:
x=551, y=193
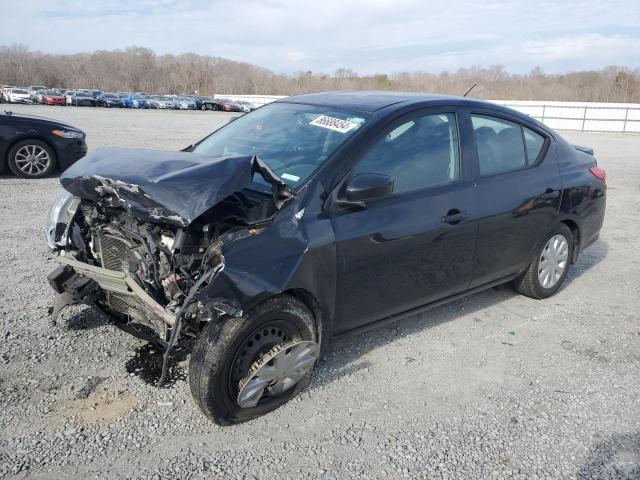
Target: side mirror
x=365, y=187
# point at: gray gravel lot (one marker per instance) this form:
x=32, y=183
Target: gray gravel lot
x=492, y=386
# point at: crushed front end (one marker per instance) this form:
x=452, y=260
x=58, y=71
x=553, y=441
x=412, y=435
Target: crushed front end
x=142, y=249
x=139, y=273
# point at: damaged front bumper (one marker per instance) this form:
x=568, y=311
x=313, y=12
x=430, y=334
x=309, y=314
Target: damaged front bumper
x=70, y=278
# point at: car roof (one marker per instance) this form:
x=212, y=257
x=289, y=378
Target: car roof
x=373, y=101
x=368, y=101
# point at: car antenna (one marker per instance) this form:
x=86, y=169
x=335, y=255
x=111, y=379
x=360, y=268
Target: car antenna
x=469, y=91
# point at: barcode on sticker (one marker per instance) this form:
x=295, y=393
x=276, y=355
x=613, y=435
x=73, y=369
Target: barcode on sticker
x=332, y=123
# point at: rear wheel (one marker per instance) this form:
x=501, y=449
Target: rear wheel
x=227, y=356
x=32, y=159
x=549, y=267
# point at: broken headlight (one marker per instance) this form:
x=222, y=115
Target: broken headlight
x=60, y=215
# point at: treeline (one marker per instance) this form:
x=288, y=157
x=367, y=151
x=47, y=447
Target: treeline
x=140, y=69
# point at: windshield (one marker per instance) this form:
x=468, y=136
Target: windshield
x=15, y=90
x=293, y=140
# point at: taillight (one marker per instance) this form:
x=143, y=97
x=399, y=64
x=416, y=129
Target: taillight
x=599, y=173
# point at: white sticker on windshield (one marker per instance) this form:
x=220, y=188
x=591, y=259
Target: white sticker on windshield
x=335, y=124
x=288, y=176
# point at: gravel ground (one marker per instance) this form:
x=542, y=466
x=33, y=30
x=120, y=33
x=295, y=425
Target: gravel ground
x=492, y=386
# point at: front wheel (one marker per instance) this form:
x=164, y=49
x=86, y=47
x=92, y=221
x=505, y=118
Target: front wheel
x=550, y=265
x=32, y=159
x=227, y=360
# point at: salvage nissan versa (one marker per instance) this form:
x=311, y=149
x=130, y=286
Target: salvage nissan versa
x=316, y=216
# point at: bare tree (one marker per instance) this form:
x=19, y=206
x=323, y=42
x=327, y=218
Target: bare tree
x=140, y=69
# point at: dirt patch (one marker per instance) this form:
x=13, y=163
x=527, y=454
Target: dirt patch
x=107, y=403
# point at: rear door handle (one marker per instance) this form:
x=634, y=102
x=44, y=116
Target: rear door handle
x=550, y=194
x=453, y=217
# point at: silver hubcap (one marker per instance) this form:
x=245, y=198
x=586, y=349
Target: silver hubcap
x=553, y=261
x=277, y=371
x=32, y=159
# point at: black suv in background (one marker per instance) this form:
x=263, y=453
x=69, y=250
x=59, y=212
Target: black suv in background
x=34, y=147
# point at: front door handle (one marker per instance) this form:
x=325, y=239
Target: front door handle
x=454, y=217
x=550, y=194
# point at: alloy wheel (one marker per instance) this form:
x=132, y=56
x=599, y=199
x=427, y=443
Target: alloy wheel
x=32, y=160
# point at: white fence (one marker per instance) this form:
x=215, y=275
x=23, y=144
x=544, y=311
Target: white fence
x=257, y=100
x=580, y=116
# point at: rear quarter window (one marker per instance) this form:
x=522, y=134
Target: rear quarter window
x=534, y=143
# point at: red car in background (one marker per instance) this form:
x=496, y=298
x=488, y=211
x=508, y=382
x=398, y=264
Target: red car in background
x=227, y=105
x=52, y=97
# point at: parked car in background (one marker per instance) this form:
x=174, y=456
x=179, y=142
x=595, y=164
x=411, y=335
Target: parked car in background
x=199, y=99
x=34, y=147
x=36, y=95
x=3, y=92
x=68, y=96
x=228, y=105
x=223, y=104
x=18, y=95
x=161, y=102
x=95, y=93
x=108, y=100
x=53, y=97
x=389, y=204
x=135, y=100
x=37, y=87
x=245, y=106
x=82, y=98
x=185, y=103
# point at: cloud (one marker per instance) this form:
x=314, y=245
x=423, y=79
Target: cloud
x=367, y=36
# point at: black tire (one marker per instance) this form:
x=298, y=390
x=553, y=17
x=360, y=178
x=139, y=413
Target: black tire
x=529, y=284
x=220, y=347
x=13, y=166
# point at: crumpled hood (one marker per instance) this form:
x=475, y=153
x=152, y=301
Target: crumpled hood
x=166, y=187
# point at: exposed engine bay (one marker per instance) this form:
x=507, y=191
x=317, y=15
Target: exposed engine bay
x=144, y=258
x=164, y=260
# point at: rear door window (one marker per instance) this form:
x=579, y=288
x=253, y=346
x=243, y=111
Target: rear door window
x=500, y=144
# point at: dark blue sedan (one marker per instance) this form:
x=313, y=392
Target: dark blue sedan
x=109, y=100
x=317, y=216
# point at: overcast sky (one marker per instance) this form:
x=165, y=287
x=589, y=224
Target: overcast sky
x=375, y=36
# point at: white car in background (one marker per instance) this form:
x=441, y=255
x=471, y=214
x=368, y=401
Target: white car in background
x=68, y=95
x=4, y=90
x=18, y=95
